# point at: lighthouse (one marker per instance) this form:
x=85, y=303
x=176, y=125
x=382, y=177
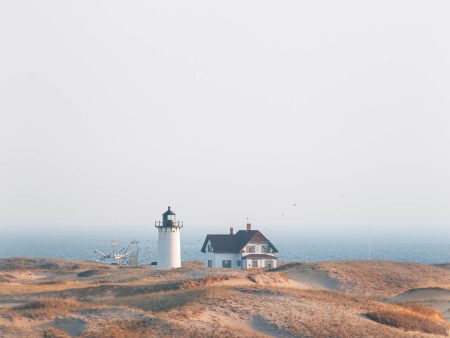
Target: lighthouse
x=169, y=255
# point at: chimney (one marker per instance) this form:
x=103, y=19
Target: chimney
x=249, y=227
x=231, y=230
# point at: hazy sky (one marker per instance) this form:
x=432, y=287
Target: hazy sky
x=110, y=111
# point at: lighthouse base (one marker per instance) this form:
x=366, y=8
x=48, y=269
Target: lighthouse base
x=169, y=255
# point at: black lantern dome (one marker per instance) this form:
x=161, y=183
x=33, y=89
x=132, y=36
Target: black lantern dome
x=169, y=212
x=169, y=220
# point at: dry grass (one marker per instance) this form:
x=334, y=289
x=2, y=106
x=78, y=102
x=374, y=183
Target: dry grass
x=424, y=310
x=28, y=263
x=194, y=301
x=329, y=297
x=408, y=320
x=6, y=278
x=288, y=266
x=385, y=279
x=154, y=327
x=268, y=277
x=147, y=327
x=48, y=307
x=208, y=281
x=54, y=333
x=92, y=272
x=158, y=301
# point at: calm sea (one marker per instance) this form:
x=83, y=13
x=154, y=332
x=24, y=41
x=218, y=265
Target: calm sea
x=308, y=250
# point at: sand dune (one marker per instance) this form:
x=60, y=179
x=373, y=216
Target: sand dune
x=422, y=294
x=310, y=276
x=75, y=298
x=436, y=298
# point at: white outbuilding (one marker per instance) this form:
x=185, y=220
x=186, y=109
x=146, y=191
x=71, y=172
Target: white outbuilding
x=244, y=250
x=169, y=253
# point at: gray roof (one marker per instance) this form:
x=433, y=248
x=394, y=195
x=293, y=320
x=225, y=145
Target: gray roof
x=235, y=243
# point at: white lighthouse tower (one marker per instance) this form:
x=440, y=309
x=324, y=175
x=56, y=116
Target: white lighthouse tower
x=169, y=255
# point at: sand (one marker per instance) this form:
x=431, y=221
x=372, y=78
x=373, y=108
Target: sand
x=329, y=299
x=311, y=277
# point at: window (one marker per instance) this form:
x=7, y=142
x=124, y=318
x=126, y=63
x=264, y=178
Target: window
x=239, y=262
x=254, y=263
x=209, y=247
x=265, y=248
x=251, y=248
x=269, y=264
x=209, y=263
x=226, y=263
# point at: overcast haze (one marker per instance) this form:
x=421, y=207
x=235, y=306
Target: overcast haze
x=110, y=111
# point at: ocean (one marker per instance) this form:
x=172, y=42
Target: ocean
x=290, y=249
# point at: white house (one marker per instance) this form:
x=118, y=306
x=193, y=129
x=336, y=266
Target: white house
x=246, y=249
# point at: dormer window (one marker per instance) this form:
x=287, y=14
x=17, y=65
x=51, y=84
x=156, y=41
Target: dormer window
x=209, y=247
